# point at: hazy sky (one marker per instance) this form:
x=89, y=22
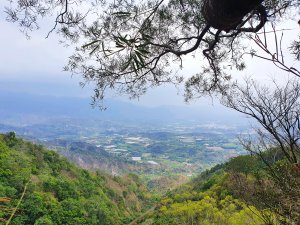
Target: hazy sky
x=35, y=66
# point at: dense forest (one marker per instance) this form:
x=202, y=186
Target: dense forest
x=244, y=190
x=37, y=186
x=124, y=48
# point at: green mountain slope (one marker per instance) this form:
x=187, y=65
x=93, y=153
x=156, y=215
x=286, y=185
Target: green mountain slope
x=39, y=187
x=58, y=192
x=247, y=190
x=206, y=200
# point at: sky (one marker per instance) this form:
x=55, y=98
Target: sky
x=35, y=66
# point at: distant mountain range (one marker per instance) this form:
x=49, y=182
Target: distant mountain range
x=18, y=108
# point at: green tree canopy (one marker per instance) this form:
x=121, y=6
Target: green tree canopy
x=130, y=46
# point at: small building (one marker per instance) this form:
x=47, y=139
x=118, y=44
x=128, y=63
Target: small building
x=152, y=162
x=136, y=158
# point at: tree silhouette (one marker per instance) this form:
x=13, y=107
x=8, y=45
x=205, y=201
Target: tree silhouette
x=130, y=46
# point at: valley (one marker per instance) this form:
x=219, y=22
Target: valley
x=163, y=156
x=166, y=146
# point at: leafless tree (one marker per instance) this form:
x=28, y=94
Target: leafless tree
x=277, y=111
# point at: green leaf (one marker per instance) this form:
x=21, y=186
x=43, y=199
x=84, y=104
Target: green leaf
x=123, y=39
x=146, y=36
x=136, y=61
x=125, y=65
x=94, y=49
x=91, y=43
x=142, y=61
x=143, y=52
x=121, y=13
x=103, y=49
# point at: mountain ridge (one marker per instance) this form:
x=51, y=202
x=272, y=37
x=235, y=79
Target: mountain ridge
x=22, y=105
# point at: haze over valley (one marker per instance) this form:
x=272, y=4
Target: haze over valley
x=150, y=112
x=153, y=142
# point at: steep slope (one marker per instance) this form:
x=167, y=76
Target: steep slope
x=91, y=157
x=205, y=200
x=51, y=190
x=247, y=190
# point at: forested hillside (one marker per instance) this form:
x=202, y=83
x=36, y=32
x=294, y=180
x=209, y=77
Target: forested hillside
x=245, y=190
x=37, y=186
x=46, y=188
